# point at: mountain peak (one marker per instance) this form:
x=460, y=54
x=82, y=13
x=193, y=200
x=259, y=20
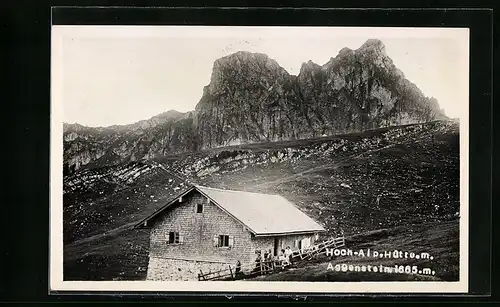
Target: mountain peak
x=345, y=50
x=308, y=66
x=246, y=59
x=169, y=114
x=373, y=45
x=242, y=56
x=373, y=42
x=241, y=67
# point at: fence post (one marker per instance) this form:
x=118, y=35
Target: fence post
x=231, y=271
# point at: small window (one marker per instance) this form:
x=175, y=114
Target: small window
x=199, y=208
x=174, y=238
x=223, y=241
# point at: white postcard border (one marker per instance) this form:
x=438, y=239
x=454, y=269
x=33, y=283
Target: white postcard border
x=57, y=283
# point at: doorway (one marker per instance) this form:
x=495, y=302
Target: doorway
x=305, y=243
x=276, y=246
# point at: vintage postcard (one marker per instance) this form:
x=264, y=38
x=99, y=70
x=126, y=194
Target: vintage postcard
x=261, y=159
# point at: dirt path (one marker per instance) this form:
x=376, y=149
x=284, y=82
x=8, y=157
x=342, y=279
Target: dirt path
x=112, y=232
x=341, y=163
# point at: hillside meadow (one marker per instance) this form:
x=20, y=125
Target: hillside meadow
x=390, y=188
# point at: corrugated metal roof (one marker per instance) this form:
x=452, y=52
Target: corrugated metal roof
x=263, y=214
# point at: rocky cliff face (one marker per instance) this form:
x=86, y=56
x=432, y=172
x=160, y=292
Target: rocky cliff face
x=169, y=132
x=251, y=98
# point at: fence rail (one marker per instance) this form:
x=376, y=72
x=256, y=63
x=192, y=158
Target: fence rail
x=221, y=274
x=260, y=268
x=270, y=266
x=321, y=248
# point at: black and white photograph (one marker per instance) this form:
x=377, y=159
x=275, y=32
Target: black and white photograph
x=286, y=159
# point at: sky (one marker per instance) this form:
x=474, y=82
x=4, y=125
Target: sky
x=107, y=75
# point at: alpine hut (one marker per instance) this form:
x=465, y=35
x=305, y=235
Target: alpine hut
x=209, y=229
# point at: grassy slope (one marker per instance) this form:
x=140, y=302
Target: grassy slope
x=381, y=179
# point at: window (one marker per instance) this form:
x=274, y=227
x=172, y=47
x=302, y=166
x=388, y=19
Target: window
x=199, y=208
x=174, y=238
x=223, y=241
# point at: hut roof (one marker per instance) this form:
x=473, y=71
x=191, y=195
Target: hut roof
x=262, y=214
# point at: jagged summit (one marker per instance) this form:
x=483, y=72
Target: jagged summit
x=373, y=43
x=309, y=65
x=374, y=46
x=242, y=56
x=244, y=68
x=344, y=51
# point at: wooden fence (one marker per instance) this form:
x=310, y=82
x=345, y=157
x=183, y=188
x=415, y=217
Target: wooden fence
x=319, y=249
x=228, y=273
x=272, y=266
x=232, y=273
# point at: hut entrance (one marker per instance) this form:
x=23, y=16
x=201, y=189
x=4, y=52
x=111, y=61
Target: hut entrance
x=276, y=246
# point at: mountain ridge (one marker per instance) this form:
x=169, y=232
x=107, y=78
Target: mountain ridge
x=251, y=98
x=166, y=115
